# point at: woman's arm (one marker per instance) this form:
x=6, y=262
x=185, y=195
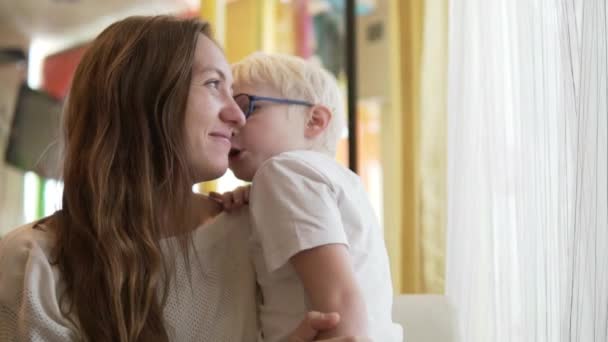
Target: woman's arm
x=327, y=276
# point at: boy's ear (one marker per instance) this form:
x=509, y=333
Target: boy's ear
x=318, y=120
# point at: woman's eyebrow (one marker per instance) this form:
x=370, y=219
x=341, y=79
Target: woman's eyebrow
x=213, y=70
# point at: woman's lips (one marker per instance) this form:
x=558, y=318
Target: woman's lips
x=221, y=136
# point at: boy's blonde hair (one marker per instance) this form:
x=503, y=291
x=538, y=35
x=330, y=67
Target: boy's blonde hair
x=298, y=79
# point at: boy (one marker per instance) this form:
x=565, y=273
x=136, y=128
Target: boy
x=316, y=243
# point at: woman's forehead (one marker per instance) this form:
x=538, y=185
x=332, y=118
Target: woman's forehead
x=208, y=56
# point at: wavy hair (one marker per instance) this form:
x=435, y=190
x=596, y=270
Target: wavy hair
x=126, y=176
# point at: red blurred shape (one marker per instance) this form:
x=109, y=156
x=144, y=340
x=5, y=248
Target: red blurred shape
x=58, y=70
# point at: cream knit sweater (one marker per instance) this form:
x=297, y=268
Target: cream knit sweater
x=216, y=302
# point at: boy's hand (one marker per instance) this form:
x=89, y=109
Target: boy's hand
x=234, y=199
x=316, y=322
x=312, y=324
x=347, y=339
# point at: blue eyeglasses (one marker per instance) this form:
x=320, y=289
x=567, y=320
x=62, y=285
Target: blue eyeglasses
x=247, y=102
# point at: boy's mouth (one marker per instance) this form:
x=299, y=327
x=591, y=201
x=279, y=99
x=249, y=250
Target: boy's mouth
x=234, y=152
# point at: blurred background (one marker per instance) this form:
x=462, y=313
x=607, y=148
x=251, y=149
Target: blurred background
x=41, y=43
x=479, y=128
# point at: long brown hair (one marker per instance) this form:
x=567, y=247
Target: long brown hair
x=125, y=175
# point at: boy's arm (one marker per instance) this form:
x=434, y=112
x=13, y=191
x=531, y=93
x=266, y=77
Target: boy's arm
x=327, y=276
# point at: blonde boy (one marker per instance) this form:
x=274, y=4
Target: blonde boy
x=316, y=243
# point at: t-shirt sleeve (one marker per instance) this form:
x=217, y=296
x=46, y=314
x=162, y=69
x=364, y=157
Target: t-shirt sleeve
x=29, y=305
x=294, y=208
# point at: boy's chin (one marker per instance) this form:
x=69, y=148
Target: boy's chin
x=242, y=174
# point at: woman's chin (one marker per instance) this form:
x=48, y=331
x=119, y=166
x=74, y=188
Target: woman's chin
x=211, y=172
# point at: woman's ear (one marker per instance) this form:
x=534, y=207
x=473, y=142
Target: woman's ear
x=318, y=120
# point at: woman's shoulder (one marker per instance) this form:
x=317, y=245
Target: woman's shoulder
x=30, y=287
x=223, y=230
x=24, y=252
x=21, y=245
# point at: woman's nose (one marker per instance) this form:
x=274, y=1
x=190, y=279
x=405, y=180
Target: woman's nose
x=232, y=113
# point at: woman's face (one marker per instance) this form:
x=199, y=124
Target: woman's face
x=211, y=113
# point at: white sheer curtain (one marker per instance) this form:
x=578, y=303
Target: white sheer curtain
x=527, y=244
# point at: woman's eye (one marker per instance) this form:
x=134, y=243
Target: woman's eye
x=215, y=84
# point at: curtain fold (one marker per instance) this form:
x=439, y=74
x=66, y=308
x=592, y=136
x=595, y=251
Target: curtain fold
x=433, y=146
x=527, y=170
x=412, y=30
x=414, y=146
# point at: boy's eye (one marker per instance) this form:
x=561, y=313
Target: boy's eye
x=253, y=110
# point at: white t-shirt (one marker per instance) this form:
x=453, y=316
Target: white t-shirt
x=220, y=305
x=301, y=200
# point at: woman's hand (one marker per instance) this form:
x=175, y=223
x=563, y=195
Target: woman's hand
x=234, y=199
x=317, y=321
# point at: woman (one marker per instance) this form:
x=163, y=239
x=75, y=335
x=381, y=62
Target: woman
x=134, y=255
